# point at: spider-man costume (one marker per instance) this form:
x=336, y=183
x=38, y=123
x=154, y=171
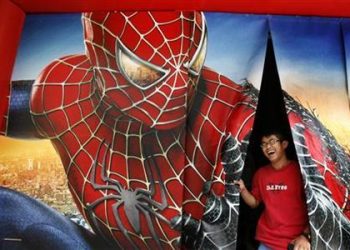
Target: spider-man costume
x=151, y=140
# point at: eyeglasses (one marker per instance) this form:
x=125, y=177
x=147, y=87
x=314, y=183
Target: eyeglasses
x=270, y=142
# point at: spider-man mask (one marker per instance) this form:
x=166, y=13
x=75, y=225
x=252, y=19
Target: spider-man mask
x=147, y=64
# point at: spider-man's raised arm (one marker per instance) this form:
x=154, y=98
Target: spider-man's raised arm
x=62, y=96
x=32, y=109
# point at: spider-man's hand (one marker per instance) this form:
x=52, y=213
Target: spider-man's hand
x=217, y=228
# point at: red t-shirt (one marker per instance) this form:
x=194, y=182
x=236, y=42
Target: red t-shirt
x=285, y=214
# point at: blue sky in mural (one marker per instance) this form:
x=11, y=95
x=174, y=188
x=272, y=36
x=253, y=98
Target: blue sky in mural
x=346, y=32
x=309, y=50
x=45, y=38
x=237, y=45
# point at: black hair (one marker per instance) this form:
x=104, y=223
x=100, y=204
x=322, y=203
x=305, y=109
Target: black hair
x=278, y=133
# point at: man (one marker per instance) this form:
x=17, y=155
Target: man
x=279, y=186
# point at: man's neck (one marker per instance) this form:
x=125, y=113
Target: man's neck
x=281, y=163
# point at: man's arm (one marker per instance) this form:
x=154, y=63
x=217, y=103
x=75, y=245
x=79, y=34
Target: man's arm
x=248, y=198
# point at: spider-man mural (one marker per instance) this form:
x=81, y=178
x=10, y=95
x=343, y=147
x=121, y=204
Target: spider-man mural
x=151, y=139
x=140, y=123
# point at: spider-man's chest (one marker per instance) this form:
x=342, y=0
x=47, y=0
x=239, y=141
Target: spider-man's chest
x=176, y=165
x=124, y=180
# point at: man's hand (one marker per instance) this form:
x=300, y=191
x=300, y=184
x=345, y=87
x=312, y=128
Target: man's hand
x=246, y=195
x=301, y=243
x=240, y=184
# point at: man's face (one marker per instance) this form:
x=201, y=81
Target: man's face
x=273, y=148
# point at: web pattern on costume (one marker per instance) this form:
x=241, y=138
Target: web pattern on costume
x=329, y=222
x=97, y=142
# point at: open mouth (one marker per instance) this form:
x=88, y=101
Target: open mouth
x=270, y=152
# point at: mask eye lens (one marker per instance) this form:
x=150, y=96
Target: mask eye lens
x=139, y=72
x=196, y=64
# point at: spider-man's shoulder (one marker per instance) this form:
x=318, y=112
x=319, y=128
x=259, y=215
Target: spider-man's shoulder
x=220, y=86
x=226, y=102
